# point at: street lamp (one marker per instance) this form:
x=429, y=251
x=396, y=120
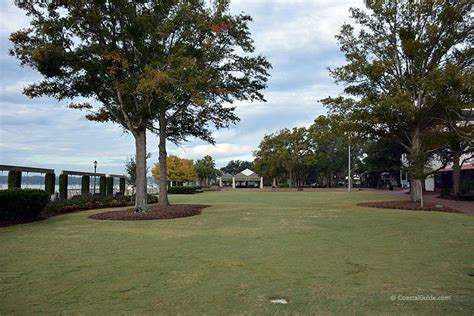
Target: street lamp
x=95, y=171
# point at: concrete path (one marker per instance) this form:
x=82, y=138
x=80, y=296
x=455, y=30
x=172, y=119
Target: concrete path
x=466, y=207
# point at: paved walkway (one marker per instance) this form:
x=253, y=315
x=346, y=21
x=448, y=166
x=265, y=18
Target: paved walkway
x=466, y=207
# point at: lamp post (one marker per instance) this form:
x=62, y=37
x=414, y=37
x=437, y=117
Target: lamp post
x=95, y=171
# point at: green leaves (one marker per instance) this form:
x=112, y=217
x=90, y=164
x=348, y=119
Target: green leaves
x=402, y=71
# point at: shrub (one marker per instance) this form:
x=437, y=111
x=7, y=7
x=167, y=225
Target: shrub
x=85, y=203
x=14, y=179
x=49, y=182
x=182, y=190
x=122, y=186
x=283, y=185
x=103, y=186
x=109, y=186
x=63, y=186
x=22, y=203
x=85, y=185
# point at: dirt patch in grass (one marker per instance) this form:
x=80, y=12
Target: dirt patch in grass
x=155, y=212
x=410, y=206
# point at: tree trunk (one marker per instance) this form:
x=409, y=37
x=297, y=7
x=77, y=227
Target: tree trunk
x=141, y=183
x=416, y=190
x=290, y=179
x=456, y=173
x=417, y=169
x=163, y=198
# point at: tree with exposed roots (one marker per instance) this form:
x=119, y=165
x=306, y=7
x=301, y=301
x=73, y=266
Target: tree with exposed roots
x=170, y=67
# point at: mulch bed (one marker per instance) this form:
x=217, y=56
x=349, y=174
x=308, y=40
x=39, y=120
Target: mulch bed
x=155, y=212
x=409, y=206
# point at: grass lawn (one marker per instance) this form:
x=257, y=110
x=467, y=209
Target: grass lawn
x=317, y=250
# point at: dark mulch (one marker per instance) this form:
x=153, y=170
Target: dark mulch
x=410, y=206
x=155, y=212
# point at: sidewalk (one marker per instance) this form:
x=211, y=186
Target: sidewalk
x=466, y=207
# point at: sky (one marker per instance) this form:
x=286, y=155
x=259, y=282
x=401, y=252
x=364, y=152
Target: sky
x=296, y=36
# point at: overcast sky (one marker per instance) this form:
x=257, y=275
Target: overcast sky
x=297, y=37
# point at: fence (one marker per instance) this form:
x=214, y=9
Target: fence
x=106, y=186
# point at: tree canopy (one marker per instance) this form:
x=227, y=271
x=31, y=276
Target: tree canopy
x=206, y=169
x=396, y=66
x=236, y=166
x=179, y=169
x=171, y=67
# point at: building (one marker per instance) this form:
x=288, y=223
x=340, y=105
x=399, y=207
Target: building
x=244, y=179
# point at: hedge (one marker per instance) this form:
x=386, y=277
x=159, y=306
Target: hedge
x=122, y=186
x=63, y=186
x=85, y=185
x=109, y=186
x=14, y=179
x=22, y=203
x=103, y=186
x=92, y=202
x=49, y=183
x=182, y=190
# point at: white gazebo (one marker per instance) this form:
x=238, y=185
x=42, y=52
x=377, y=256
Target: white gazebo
x=244, y=179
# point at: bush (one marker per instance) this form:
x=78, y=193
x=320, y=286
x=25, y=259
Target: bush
x=85, y=184
x=109, y=190
x=86, y=203
x=14, y=179
x=283, y=185
x=182, y=190
x=103, y=185
x=63, y=186
x=22, y=203
x=49, y=182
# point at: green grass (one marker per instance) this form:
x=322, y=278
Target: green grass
x=318, y=250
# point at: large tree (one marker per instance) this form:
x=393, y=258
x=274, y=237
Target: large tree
x=394, y=65
x=206, y=169
x=178, y=169
x=282, y=154
x=236, y=166
x=328, y=141
x=171, y=67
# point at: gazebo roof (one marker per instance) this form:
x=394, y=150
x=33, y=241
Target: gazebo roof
x=244, y=175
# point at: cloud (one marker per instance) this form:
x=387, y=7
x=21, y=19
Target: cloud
x=11, y=18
